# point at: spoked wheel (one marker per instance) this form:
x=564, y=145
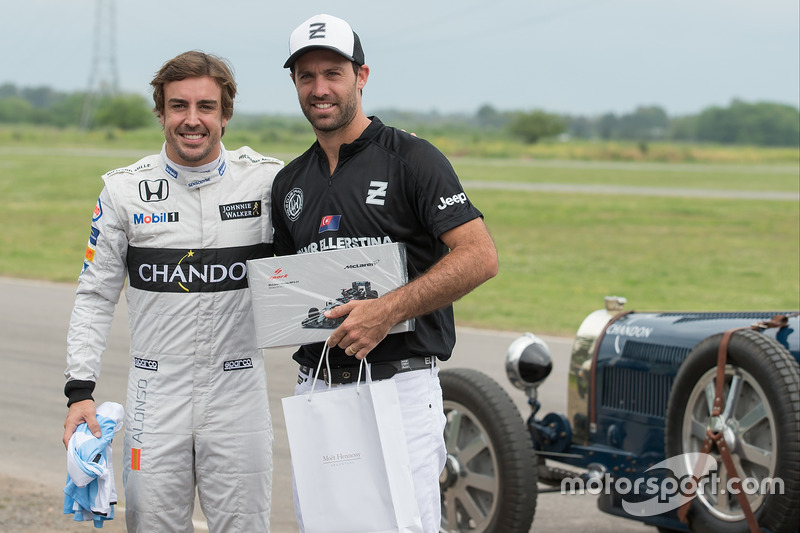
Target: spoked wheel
x=761, y=425
x=489, y=481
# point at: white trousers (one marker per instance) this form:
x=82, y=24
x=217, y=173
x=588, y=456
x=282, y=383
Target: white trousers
x=420, y=396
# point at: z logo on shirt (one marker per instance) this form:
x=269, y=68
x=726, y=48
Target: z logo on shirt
x=376, y=194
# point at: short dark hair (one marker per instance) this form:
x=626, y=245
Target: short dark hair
x=196, y=64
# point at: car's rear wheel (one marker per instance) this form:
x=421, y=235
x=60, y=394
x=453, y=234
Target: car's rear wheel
x=489, y=481
x=761, y=424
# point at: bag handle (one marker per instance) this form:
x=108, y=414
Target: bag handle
x=363, y=364
x=325, y=356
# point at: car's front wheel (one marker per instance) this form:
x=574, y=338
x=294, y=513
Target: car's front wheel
x=760, y=421
x=489, y=481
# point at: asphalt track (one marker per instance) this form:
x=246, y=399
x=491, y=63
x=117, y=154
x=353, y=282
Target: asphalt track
x=33, y=326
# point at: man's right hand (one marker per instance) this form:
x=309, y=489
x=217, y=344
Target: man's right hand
x=80, y=412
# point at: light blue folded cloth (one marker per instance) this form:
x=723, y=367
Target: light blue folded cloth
x=90, y=493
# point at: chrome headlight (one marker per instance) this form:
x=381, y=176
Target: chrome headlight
x=528, y=361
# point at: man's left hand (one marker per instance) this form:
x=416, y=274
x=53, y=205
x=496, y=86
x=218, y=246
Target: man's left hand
x=366, y=325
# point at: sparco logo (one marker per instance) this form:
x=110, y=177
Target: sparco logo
x=145, y=364
x=237, y=364
x=362, y=265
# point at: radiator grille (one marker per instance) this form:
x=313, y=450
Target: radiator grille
x=733, y=315
x=636, y=391
x=654, y=353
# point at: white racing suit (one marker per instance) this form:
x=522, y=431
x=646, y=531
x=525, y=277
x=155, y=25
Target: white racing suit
x=197, y=408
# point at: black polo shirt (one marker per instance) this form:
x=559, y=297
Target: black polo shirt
x=389, y=186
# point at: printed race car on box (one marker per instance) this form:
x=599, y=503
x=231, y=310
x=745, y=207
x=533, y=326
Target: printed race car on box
x=359, y=290
x=292, y=292
x=684, y=421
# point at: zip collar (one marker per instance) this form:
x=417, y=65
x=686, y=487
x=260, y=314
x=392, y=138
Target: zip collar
x=195, y=177
x=348, y=150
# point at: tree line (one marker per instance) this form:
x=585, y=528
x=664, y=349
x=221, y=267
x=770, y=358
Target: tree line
x=45, y=106
x=759, y=123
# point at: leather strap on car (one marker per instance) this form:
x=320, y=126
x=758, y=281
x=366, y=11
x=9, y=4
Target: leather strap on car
x=717, y=438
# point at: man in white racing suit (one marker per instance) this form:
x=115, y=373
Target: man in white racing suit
x=180, y=227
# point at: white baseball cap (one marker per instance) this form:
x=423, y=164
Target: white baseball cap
x=325, y=32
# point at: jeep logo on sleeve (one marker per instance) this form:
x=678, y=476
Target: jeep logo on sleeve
x=459, y=198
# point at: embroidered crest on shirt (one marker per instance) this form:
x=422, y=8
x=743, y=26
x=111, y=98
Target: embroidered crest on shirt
x=293, y=203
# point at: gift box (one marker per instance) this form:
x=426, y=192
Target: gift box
x=291, y=292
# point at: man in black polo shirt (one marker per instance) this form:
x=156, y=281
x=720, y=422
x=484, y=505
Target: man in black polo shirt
x=363, y=182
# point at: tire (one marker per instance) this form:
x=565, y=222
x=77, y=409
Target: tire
x=313, y=313
x=489, y=481
x=765, y=425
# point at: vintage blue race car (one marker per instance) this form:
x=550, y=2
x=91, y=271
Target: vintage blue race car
x=663, y=424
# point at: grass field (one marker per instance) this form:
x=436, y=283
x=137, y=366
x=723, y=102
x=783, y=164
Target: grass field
x=560, y=253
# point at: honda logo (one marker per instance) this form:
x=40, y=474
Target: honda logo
x=153, y=191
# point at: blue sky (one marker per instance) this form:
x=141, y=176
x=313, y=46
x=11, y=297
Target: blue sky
x=566, y=56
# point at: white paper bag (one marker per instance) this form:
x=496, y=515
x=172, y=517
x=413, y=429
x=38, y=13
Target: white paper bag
x=350, y=459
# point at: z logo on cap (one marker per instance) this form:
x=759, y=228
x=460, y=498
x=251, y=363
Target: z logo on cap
x=316, y=30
